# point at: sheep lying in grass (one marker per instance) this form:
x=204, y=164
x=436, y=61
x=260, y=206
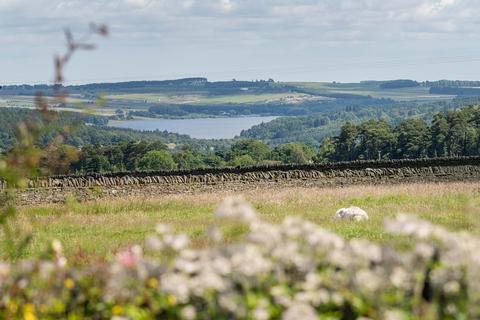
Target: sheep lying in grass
x=351, y=213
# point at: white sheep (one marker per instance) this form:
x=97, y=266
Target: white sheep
x=351, y=213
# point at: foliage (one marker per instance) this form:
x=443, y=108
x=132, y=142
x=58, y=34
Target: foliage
x=157, y=160
x=461, y=91
x=257, y=150
x=455, y=133
x=294, y=270
x=293, y=153
x=396, y=84
x=326, y=122
x=242, y=161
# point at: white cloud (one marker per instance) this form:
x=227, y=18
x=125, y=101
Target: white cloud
x=339, y=19
x=245, y=29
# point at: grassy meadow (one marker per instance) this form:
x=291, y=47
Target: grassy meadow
x=204, y=99
x=96, y=230
x=368, y=89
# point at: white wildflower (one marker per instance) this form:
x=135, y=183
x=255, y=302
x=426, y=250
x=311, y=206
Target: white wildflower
x=368, y=280
x=366, y=250
x=451, y=287
x=249, y=261
x=236, y=209
x=394, y=315
x=163, y=229
x=399, y=278
x=176, y=242
x=261, y=310
x=177, y=285
x=281, y=296
x=153, y=243
x=214, y=233
x=299, y=311
x=188, y=312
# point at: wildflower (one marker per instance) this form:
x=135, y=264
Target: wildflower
x=163, y=229
x=237, y=210
x=152, y=283
x=451, y=287
x=177, y=285
x=57, y=246
x=130, y=257
x=68, y=283
x=300, y=311
x=117, y=310
x=29, y=312
x=153, y=243
x=188, y=313
x=4, y=270
x=171, y=300
x=261, y=313
x=214, y=233
x=394, y=314
x=177, y=242
x=12, y=306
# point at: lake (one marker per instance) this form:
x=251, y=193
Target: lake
x=202, y=128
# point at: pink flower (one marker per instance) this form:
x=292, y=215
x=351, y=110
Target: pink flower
x=130, y=257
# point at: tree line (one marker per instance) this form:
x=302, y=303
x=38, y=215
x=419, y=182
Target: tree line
x=454, y=133
x=152, y=156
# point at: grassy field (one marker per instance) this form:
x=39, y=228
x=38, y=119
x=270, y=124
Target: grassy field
x=367, y=89
x=203, y=99
x=98, y=229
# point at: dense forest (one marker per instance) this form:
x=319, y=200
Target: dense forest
x=266, y=109
x=459, y=91
x=313, y=129
x=147, y=156
x=455, y=133
x=396, y=84
x=178, y=85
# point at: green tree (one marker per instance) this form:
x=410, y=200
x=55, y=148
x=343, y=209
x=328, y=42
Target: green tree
x=98, y=164
x=157, y=160
x=413, y=139
x=439, y=133
x=188, y=159
x=243, y=161
x=257, y=150
x=293, y=153
x=326, y=152
x=347, y=142
x=377, y=140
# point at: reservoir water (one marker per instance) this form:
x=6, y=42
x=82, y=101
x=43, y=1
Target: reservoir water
x=203, y=128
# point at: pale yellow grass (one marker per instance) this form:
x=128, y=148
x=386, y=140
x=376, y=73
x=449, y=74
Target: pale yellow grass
x=100, y=228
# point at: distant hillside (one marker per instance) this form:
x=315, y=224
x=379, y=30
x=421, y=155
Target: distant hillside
x=179, y=85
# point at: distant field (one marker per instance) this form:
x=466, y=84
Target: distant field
x=202, y=99
x=402, y=94
x=98, y=229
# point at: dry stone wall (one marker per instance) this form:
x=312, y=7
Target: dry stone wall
x=57, y=189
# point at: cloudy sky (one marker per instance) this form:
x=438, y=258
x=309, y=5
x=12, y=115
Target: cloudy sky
x=309, y=40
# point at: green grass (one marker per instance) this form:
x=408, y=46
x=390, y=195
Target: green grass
x=98, y=229
x=367, y=89
x=203, y=99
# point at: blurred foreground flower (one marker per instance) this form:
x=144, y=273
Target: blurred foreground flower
x=294, y=270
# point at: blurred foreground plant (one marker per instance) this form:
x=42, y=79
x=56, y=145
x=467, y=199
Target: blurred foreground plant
x=293, y=270
x=23, y=161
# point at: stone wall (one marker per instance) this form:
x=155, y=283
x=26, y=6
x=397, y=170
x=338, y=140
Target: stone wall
x=398, y=168
x=57, y=189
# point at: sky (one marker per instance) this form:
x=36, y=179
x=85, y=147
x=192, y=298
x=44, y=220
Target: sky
x=287, y=40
